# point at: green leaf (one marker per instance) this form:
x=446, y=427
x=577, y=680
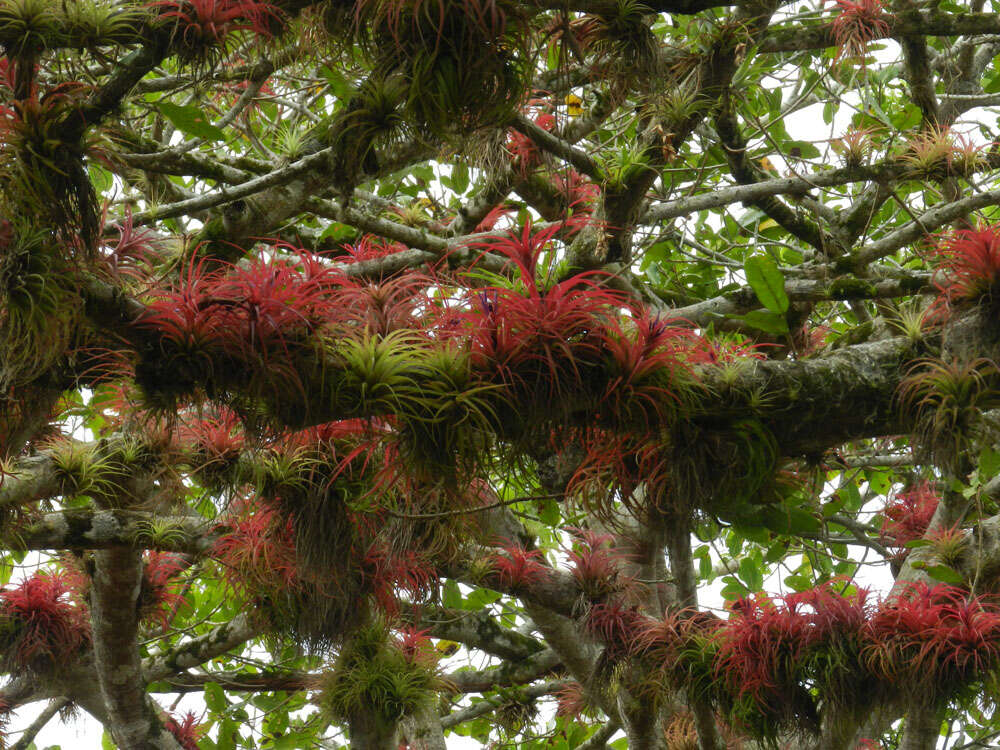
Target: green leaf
x=340, y=87
x=215, y=697
x=801, y=149
x=479, y=598
x=790, y=520
x=451, y=595
x=338, y=232
x=107, y=743
x=765, y=320
x=989, y=464
x=767, y=282
x=798, y=582
x=548, y=512
x=191, y=121
x=460, y=178
x=944, y=574
x=751, y=574
x=101, y=179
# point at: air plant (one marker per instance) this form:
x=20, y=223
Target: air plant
x=572, y=701
x=930, y=154
x=397, y=575
x=376, y=681
x=442, y=49
x=580, y=194
x=523, y=150
x=97, y=23
x=907, y=517
x=40, y=628
x=615, y=624
x=855, y=146
x=761, y=653
x=945, y=401
x=375, y=118
x=243, y=327
x=676, y=105
x=29, y=26
x=968, y=270
x=912, y=319
x=613, y=468
x=375, y=369
x=721, y=471
x=646, y=371
x=379, y=308
x=858, y=23
x=158, y=595
x=518, y=567
x=187, y=731
x=85, y=469
x=617, y=33
x=447, y=422
x=260, y=563
x=596, y=566
x=158, y=532
x=136, y=250
x=44, y=171
x=624, y=166
x=948, y=544
x=257, y=553
x=931, y=641
x=203, y=26
x=41, y=302
x=292, y=140
x=544, y=345
x=215, y=443
x=365, y=248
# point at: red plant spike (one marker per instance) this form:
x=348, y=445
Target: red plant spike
x=219, y=437
x=524, y=153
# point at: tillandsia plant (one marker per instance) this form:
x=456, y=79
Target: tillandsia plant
x=389, y=372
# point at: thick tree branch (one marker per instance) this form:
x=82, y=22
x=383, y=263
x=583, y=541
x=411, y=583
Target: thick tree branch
x=133, y=722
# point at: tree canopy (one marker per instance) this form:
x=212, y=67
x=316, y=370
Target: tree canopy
x=390, y=372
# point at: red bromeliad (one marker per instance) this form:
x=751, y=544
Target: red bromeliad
x=159, y=597
x=857, y=24
x=187, y=731
x=908, y=516
x=969, y=267
x=211, y=21
x=518, y=567
x=40, y=625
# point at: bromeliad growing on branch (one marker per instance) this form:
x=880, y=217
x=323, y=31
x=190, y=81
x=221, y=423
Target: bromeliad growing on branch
x=404, y=373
